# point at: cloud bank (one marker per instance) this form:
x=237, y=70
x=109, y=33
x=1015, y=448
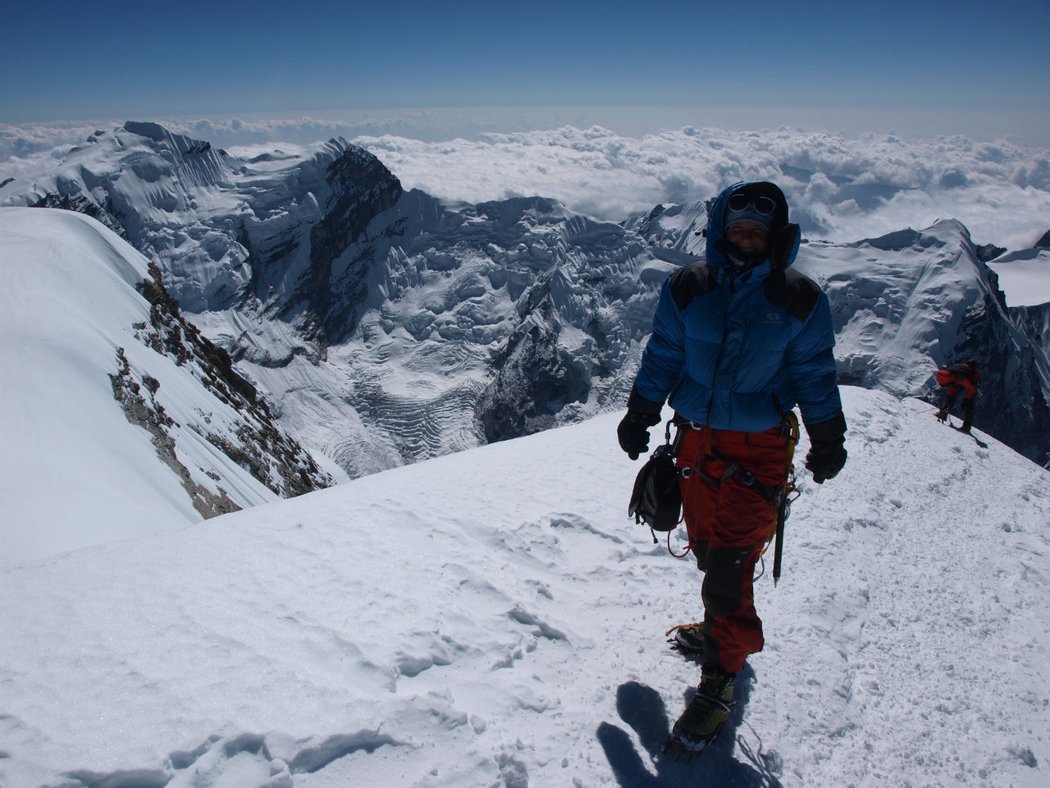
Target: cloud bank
x=841, y=188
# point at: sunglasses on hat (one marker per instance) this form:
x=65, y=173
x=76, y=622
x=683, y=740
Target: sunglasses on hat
x=764, y=206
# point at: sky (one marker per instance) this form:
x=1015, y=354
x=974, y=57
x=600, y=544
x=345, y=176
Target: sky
x=922, y=68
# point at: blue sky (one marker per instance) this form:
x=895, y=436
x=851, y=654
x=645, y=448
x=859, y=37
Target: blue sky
x=953, y=64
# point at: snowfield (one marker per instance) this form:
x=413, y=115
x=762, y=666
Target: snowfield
x=81, y=473
x=74, y=471
x=1025, y=276
x=492, y=617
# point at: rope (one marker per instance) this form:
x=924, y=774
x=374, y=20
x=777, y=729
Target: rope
x=688, y=547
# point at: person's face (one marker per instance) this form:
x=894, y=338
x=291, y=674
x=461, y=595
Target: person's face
x=749, y=237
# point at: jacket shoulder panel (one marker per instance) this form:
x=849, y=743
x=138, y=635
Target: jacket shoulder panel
x=689, y=282
x=793, y=292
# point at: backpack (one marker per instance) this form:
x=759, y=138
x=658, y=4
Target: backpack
x=656, y=499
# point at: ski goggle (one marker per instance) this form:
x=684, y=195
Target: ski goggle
x=764, y=206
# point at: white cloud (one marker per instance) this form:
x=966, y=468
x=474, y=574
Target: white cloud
x=841, y=188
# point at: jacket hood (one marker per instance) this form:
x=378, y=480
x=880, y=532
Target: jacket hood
x=783, y=238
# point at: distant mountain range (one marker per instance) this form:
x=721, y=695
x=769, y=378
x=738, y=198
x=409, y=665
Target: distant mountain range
x=383, y=326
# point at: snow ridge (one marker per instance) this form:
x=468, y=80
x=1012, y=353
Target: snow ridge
x=121, y=418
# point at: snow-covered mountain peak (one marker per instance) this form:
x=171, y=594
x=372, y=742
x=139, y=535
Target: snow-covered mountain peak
x=202, y=212
x=387, y=326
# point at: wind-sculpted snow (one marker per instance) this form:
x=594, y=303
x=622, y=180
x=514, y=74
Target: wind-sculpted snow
x=493, y=617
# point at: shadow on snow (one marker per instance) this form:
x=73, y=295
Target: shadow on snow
x=642, y=709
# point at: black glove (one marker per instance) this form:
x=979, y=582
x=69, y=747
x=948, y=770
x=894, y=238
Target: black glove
x=633, y=431
x=825, y=460
x=827, y=452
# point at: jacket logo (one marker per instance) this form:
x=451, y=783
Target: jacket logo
x=774, y=317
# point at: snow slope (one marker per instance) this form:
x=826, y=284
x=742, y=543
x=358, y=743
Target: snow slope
x=492, y=617
x=73, y=470
x=72, y=465
x=1024, y=276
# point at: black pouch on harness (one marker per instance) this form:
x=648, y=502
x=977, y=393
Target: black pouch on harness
x=656, y=499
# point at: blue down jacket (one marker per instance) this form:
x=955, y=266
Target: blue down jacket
x=729, y=347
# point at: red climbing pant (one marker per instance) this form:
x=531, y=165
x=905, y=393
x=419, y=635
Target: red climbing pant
x=729, y=522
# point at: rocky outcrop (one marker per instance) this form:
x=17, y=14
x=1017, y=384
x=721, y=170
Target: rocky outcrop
x=988, y=252
x=256, y=443
x=102, y=211
x=139, y=403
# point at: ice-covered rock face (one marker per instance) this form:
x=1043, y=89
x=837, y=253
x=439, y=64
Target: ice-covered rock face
x=386, y=326
x=259, y=233
x=480, y=323
x=910, y=302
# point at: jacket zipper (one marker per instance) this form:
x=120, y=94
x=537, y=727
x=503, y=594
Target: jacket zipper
x=725, y=338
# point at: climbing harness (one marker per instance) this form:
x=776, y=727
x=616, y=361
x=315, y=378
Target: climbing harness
x=779, y=496
x=656, y=498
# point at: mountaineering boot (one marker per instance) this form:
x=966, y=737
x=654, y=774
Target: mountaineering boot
x=942, y=414
x=707, y=712
x=965, y=428
x=687, y=638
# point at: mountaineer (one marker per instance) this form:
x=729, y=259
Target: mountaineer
x=959, y=378
x=739, y=339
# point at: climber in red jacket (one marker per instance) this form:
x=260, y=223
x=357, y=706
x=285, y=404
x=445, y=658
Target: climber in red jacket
x=957, y=378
